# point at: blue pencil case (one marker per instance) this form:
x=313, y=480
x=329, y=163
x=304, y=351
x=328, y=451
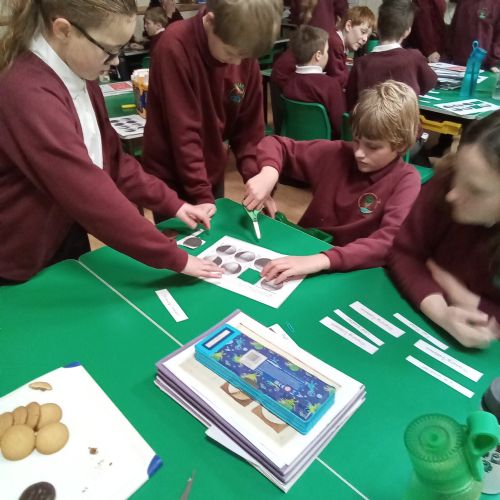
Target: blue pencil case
x=296, y=396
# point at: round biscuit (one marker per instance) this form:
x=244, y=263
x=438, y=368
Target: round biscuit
x=49, y=412
x=33, y=414
x=20, y=414
x=51, y=438
x=18, y=442
x=6, y=421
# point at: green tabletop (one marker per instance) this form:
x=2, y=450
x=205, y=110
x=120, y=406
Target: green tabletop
x=483, y=92
x=368, y=452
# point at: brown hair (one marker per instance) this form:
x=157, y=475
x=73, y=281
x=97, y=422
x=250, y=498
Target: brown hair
x=156, y=15
x=250, y=26
x=394, y=18
x=29, y=16
x=359, y=15
x=306, y=41
x=389, y=112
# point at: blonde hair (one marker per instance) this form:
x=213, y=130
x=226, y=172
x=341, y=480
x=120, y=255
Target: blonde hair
x=359, y=15
x=250, y=26
x=389, y=112
x=27, y=17
x=156, y=15
x=306, y=41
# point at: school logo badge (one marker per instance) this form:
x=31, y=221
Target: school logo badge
x=367, y=203
x=237, y=92
x=482, y=13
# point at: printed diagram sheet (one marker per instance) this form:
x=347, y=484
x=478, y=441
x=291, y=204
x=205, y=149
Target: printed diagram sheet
x=242, y=263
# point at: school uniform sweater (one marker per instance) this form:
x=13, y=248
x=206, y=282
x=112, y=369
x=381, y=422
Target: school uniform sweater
x=476, y=20
x=463, y=250
x=403, y=65
x=428, y=33
x=284, y=65
x=48, y=181
x=153, y=42
x=195, y=103
x=320, y=88
x=324, y=15
x=362, y=211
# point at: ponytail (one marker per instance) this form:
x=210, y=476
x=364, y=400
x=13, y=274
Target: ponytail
x=29, y=16
x=24, y=22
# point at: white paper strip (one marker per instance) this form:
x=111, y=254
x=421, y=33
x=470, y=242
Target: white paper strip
x=348, y=335
x=376, y=319
x=171, y=304
x=439, y=376
x=421, y=332
x=453, y=363
x=358, y=327
x=279, y=331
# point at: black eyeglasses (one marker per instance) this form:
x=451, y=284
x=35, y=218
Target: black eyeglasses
x=111, y=55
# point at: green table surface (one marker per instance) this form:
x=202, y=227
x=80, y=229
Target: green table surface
x=368, y=452
x=483, y=92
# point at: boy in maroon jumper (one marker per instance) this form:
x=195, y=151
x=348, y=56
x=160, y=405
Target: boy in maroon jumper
x=155, y=21
x=389, y=60
x=62, y=166
x=205, y=88
x=476, y=20
x=362, y=191
x=309, y=84
x=446, y=257
x=355, y=28
x=428, y=33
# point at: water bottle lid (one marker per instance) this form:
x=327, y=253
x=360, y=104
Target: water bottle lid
x=491, y=398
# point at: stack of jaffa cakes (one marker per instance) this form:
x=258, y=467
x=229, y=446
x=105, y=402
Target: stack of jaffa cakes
x=30, y=427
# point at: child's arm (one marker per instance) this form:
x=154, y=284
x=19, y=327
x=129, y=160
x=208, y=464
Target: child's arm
x=305, y=161
x=424, y=31
x=372, y=251
x=427, y=78
x=249, y=127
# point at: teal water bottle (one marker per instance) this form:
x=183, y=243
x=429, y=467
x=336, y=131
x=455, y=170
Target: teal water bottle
x=446, y=456
x=474, y=62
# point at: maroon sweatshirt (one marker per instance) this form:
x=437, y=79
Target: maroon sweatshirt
x=362, y=211
x=462, y=250
x=428, y=33
x=195, y=103
x=284, y=66
x=49, y=181
x=476, y=20
x=324, y=14
x=319, y=88
x=403, y=65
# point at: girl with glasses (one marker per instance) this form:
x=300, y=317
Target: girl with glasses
x=62, y=169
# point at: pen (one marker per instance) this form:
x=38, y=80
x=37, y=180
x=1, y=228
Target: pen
x=127, y=106
x=189, y=484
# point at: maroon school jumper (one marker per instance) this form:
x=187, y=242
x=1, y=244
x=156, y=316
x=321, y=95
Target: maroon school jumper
x=284, y=66
x=428, y=33
x=321, y=88
x=324, y=14
x=49, y=181
x=462, y=250
x=476, y=20
x=153, y=42
x=362, y=211
x=403, y=65
x=195, y=103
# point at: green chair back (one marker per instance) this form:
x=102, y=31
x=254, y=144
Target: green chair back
x=345, y=128
x=146, y=61
x=304, y=121
x=371, y=44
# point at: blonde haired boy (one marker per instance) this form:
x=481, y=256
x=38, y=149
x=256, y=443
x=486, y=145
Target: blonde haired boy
x=206, y=89
x=362, y=191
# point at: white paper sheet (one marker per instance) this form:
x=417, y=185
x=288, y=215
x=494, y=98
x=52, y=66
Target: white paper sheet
x=235, y=257
x=358, y=327
x=377, y=319
x=421, y=332
x=171, y=305
x=348, y=335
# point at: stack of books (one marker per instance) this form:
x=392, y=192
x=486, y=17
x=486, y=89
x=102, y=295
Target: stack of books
x=292, y=404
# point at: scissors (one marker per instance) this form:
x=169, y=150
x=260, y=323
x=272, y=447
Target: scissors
x=253, y=214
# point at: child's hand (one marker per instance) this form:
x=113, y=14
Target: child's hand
x=209, y=208
x=259, y=187
x=495, y=69
x=270, y=207
x=194, y=215
x=286, y=267
x=201, y=268
x=136, y=46
x=470, y=328
x=434, y=57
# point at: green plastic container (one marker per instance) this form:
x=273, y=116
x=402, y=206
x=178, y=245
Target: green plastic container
x=446, y=456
